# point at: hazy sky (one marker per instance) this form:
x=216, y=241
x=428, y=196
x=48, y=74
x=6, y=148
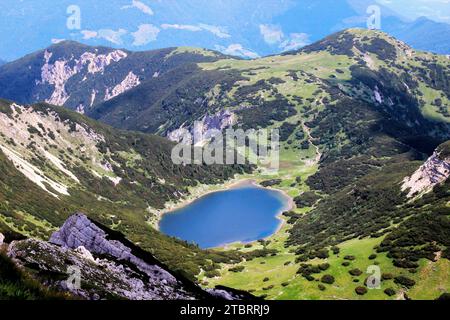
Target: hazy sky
x=245, y=28
x=438, y=10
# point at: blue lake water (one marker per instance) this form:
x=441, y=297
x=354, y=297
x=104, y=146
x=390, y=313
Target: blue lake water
x=243, y=214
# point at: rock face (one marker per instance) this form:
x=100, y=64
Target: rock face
x=99, y=278
x=433, y=172
x=130, y=81
x=108, y=265
x=59, y=72
x=81, y=77
x=202, y=130
x=79, y=231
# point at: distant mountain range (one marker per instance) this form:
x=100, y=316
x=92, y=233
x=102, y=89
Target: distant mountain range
x=256, y=27
x=421, y=34
x=2, y=62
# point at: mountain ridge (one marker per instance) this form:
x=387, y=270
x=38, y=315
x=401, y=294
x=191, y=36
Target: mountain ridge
x=73, y=74
x=101, y=255
x=192, y=87
x=68, y=162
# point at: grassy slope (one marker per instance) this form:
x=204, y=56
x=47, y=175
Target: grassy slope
x=431, y=277
x=146, y=184
x=313, y=70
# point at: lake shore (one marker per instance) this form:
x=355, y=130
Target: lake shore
x=290, y=205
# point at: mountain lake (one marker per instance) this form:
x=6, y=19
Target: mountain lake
x=244, y=213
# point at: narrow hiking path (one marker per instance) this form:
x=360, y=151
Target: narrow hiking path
x=316, y=160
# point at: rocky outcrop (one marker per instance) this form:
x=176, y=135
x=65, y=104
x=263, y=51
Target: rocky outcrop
x=201, y=129
x=130, y=81
x=79, y=231
x=433, y=172
x=107, y=265
x=99, y=278
x=59, y=72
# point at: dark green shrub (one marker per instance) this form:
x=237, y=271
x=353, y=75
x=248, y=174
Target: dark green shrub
x=306, y=199
x=271, y=183
x=361, y=291
x=406, y=264
x=390, y=292
x=237, y=269
x=387, y=276
x=309, y=277
x=404, y=281
x=212, y=274
x=355, y=272
x=328, y=279
x=324, y=266
x=444, y=296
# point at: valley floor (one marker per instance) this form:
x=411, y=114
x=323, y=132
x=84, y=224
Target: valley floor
x=275, y=277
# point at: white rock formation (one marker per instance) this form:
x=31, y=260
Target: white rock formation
x=130, y=81
x=59, y=72
x=433, y=172
x=369, y=61
x=86, y=254
x=217, y=122
x=93, y=95
x=98, y=62
x=56, y=74
x=100, y=279
x=33, y=173
x=80, y=109
x=377, y=95
x=139, y=275
x=79, y=231
x=115, y=180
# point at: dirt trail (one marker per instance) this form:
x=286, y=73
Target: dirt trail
x=316, y=160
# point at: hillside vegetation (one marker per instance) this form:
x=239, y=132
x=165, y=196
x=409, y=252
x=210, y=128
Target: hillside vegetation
x=358, y=112
x=55, y=162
